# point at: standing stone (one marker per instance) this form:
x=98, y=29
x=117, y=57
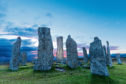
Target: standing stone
x=14, y=61
x=23, y=58
x=118, y=59
x=45, y=50
x=105, y=53
x=109, y=58
x=72, y=55
x=60, y=53
x=97, y=58
x=85, y=55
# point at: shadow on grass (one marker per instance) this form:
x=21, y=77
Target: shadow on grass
x=48, y=71
x=20, y=69
x=119, y=64
x=95, y=79
x=113, y=67
x=71, y=69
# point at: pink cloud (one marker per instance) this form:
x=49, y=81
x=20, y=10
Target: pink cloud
x=114, y=47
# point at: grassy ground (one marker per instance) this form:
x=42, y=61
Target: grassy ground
x=26, y=75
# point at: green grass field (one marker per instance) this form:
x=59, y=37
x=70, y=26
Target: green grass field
x=26, y=75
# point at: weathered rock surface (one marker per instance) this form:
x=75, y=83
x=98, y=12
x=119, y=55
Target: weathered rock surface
x=60, y=69
x=85, y=55
x=60, y=52
x=105, y=53
x=72, y=55
x=45, y=50
x=118, y=59
x=14, y=61
x=109, y=58
x=97, y=58
x=23, y=58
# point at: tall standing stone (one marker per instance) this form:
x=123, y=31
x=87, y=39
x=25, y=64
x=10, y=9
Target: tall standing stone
x=45, y=50
x=60, y=52
x=97, y=58
x=118, y=59
x=14, y=61
x=85, y=55
x=109, y=58
x=23, y=58
x=72, y=55
x=105, y=53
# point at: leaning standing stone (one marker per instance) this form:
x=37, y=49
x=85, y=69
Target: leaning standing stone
x=85, y=55
x=60, y=53
x=118, y=59
x=97, y=62
x=72, y=55
x=109, y=58
x=45, y=50
x=23, y=58
x=14, y=61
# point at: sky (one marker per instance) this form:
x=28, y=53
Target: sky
x=82, y=19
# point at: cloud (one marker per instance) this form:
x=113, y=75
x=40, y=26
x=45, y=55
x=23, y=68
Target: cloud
x=2, y=15
x=25, y=42
x=3, y=5
x=50, y=15
x=28, y=49
x=25, y=30
x=21, y=31
x=80, y=45
x=3, y=9
x=5, y=48
x=114, y=47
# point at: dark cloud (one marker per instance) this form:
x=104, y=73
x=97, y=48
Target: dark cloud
x=28, y=49
x=24, y=31
x=24, y=43
x=5, y=42
x=27, y=42
x=6, y=49
x=6, y=46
